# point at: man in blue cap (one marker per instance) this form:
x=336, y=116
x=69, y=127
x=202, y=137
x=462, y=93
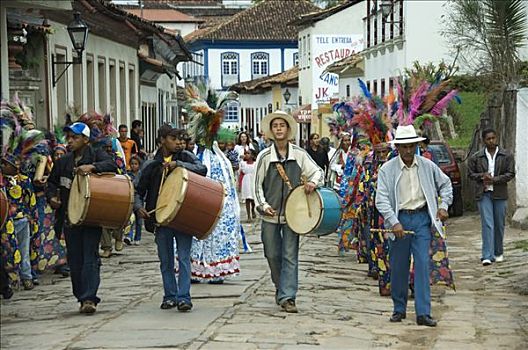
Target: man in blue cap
x=82, y=242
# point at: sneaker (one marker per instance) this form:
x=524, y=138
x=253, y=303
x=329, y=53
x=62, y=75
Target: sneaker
x=486, y=262
x=127, y=241
x=88, y=307
x=119, y=245
x=184, y=306
x=36, y=282
x=168, y=304
x=289, y=306
x=105, y=254
x=28, y=284
x=499, y=258
x=136, y=242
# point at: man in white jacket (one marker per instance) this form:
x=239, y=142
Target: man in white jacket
x=409, y=188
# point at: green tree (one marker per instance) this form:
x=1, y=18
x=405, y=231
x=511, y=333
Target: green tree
x=489, y=35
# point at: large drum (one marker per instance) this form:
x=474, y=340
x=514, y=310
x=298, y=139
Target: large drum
x=104, y=200
x=319, y=212
x=4, y=208
x=190, y=203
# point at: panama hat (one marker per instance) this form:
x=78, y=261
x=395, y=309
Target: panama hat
x=406, y=134
x=266, y=124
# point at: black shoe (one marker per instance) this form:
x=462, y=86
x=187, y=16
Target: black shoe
x=216, y=282
x=184, y=306
x=397, y=317
x=168, y=304
x=7, y=293
x=425, y=320
x=36, y=282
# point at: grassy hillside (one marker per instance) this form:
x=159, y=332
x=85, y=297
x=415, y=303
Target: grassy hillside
x=473, y=104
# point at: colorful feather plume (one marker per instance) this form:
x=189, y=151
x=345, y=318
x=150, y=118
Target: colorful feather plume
x=204, y=121
x=425, y=98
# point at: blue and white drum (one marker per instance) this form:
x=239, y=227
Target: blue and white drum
x=318, y=213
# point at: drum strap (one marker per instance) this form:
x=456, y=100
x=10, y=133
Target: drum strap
x=282, y=174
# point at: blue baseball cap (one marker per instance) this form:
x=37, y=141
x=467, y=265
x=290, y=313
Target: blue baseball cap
x=78, y=129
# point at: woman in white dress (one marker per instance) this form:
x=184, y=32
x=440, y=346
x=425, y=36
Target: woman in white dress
x=247, y=168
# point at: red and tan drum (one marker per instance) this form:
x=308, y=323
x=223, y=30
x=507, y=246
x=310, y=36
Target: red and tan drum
x=104, y=200
x=4, y=208
x=190, y=203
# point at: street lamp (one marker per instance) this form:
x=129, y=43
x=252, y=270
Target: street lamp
x=387, y=7
x=286, y=95
x=78, y=31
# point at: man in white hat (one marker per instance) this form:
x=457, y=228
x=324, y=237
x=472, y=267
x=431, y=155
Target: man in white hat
x=279, y=169
x=407, y=196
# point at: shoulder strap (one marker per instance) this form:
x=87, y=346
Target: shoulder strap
x=283, y=175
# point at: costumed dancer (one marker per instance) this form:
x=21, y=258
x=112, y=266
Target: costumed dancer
x=217, y=256
x=103, y=136
x=279, y=169
x=82, y=242
x=22, y=216
x=167, y=158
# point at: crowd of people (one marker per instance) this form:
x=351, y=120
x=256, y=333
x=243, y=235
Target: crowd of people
x=393, y=197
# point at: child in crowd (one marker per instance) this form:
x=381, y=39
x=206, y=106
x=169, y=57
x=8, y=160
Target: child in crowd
x=232, y=155
x=247, y=167
x=134, y=234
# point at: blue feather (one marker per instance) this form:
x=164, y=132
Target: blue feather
x=458, y=99
x=364, y=88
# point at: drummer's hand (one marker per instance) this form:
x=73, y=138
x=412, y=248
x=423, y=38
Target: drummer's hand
x=85, y=169
x=398, y=230
x=55, y=202
x=442, y=214
x=143, y=213
x=270, y=211
x=171, y=165
x=309, y=187
x=40, y=182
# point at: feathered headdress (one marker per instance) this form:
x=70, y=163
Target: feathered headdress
x=226, y=135
x=18, y=144
x=205, y=121
x=101, y=127
x=423, y=98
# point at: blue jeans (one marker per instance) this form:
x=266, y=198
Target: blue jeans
x=82, y=247
x=400, y=257
x=139, y=226
x=180, y=291
x=492, y=217
x=22, y=233
x=281, y=248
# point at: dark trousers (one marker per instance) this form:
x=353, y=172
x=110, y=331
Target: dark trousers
x=82, y=244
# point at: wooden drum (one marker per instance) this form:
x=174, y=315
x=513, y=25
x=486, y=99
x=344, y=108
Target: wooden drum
x=190, y=203
x=4, y=208
x=104, y=200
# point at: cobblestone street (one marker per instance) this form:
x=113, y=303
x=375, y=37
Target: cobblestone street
x=339, y=307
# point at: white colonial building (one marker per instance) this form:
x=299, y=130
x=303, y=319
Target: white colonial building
x=245, y=48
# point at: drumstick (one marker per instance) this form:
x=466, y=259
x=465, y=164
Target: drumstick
x=307, y=199
x=162, y=180
x=155, y=210
x=384, y=230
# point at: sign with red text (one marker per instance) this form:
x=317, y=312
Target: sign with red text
x=328, y=49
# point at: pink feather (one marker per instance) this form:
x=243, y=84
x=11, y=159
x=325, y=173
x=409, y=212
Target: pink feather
x=442, y=104
x=416, y=101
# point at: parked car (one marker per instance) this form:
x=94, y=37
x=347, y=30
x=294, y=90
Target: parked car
x=445, y=159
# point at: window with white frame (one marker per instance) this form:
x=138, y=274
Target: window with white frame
x=231, y=112
x=229, y=68
x=296, y=59
x=259, y=64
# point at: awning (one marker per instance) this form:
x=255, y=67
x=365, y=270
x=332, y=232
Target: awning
x=303, y=114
